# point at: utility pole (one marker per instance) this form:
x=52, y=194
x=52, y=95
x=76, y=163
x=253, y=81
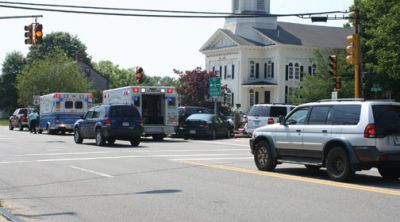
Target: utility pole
x=358, y=52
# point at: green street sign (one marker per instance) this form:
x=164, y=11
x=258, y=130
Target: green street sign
x=215, y=86
x=376, y=88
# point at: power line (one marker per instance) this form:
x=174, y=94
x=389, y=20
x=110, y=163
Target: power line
x=225, y=15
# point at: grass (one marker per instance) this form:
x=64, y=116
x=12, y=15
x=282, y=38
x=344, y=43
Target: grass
x=3, y=122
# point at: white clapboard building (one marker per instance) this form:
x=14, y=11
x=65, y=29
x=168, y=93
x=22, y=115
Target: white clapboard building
x=260, y=59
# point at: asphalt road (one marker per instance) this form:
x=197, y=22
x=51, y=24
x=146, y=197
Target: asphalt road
x=50, y=178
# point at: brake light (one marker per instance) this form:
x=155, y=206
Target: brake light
x=136, y=90
x=108, y=121
x=271, y=121
x=370, y=131
x=205, y=125
x=170, y=90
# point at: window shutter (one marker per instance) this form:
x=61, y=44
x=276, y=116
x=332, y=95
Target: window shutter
x=265, y=70
x=310, y=70
x=287, y=72
x=233, y=71
x=286, y=94
x=257, y=70
x=220, y=72
x=301, y=73
x=233, y=99
x=225, y=69
x=272, y=70
x=256, y=102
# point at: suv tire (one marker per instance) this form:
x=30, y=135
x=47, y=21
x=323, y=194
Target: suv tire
x=213, y=135
x=20, y=126
x=135, y=141
x=338, y=165
x=391, y=173
x=263, y=157
x=10, y=126
x=77, y=136
x=110, y=141
x=100, y=140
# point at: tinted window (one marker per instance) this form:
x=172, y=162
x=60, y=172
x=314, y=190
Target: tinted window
x=259, y=111
x=23, y=111
x=69, y=104
x=344, y=115
x=89, y=114
x=318, y=115
x=78, y=105
x=387, y=119
x=124, y=111
x=298, y=117
x=277, y=111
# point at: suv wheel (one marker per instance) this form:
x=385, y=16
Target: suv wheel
x=100, y=140
x=10, y=127
x=135, y=141
x=158, y=137
x=263, y=158
x=338, y=165
x=20, y=126
x=77, y=136
x=391, y=173
x=213, y=134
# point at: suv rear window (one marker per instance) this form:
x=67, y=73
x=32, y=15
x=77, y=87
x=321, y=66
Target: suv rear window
x=124, y=111
x=259, y=111
x=277, y=111
x=344, y=115
x=387, y=119
x=273, y=111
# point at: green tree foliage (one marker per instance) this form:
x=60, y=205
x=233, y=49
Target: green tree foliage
x=12, y=67
x=194, y=86
x=320, y=86
x=71, y=45
x=55, y=73
x=381, y=43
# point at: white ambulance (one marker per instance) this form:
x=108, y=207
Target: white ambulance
x=157, y=105
x=59, y=111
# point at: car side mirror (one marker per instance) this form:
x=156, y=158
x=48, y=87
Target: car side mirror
x=282, y=120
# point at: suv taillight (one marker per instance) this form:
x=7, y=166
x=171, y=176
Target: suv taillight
x=108, y=121
x=370, y=131
x=271, y=121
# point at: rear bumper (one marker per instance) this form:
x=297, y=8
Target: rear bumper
x=122, y=134
x=371, y=156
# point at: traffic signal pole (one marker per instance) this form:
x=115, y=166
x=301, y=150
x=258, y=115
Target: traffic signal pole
x=358, y=54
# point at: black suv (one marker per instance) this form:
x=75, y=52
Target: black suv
x=110, y=123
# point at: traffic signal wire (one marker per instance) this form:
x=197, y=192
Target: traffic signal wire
x=16, y=5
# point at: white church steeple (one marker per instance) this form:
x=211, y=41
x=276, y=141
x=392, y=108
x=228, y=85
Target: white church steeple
x=244, y=26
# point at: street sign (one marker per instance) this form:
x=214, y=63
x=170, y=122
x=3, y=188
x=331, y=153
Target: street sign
x=334, y=96
x=215, y=87
x=376, y=88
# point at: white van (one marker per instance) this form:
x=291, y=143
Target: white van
x=265, y=114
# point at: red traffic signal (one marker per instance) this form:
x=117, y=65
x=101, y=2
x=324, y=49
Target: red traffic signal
x=139, y=75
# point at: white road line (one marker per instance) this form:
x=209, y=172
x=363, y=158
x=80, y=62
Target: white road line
x=91, y=171
x=222, y=158
x=225, y=144
x=57, y=154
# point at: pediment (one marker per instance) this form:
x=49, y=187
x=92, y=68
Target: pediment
x=219, y=41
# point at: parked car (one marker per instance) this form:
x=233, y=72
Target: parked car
x=107, y=123
x=185, y=111
x=265, y=114
x=19, y=119
x=206, y=125
x=343, y=136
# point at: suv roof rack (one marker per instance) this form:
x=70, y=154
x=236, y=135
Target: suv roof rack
x=342, y=100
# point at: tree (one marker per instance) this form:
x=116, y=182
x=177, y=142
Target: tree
x=194, y=86
x=12, y=67
x=320, y=86
x=381, y=43
x=71, y=45
x=55, y=73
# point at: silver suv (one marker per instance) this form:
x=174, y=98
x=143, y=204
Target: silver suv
x=343, y=136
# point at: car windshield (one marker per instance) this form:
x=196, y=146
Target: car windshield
x=387, y=119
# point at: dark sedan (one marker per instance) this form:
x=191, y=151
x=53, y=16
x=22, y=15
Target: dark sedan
x=206, y=125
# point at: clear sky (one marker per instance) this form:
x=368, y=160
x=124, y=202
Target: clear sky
x=159, y=45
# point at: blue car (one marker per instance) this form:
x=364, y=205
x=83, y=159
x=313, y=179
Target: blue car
x=107, y=123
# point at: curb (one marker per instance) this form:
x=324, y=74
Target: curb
x=8, y=215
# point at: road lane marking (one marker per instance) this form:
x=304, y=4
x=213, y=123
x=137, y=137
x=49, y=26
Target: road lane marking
x=297, y=178
x=217, y=158
x=225, y=144
x=91, y=171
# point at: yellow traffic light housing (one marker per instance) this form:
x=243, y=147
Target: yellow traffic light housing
x=353, y=49
x=29, y=38
x=38, y=33
x=333, y=68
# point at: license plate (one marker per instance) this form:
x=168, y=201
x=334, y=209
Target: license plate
x=397, y=140
x=125, y=124
x=192, y=131
x=256, y=123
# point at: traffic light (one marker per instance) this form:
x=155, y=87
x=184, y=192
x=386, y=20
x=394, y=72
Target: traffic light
x=338, y=83
x=333, y=69
x=139, y=75
x=29, y=38
x=353, y=49
x=38, y=33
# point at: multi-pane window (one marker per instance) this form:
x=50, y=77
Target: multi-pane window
x=314, y=70
x=260, y=5
x=269, y=70
x=293, y=71
x=252, y=69
x=297, y=71
x=236, y=5
x=252, y=97
x=290, y=70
